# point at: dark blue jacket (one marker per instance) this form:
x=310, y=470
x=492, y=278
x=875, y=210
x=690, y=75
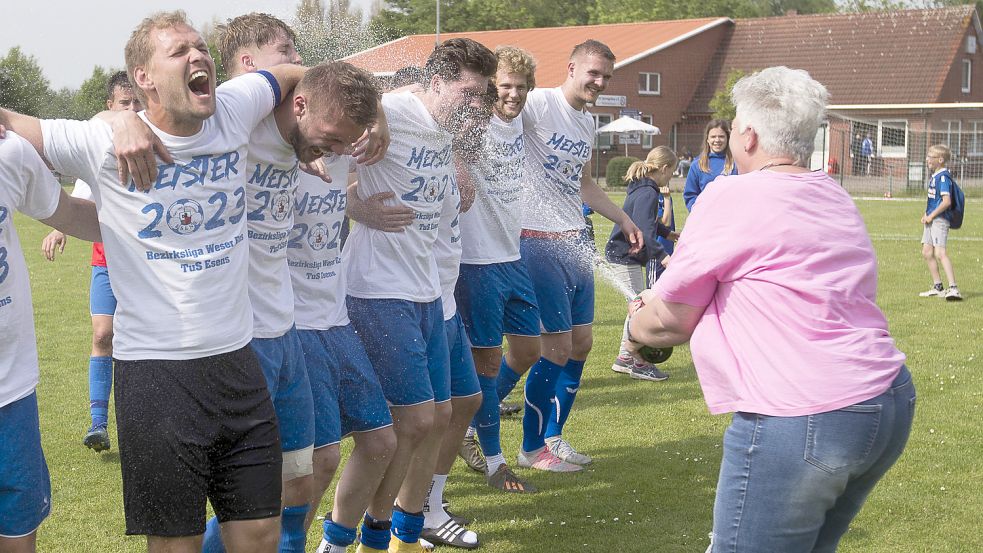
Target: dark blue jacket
x=642, y=206
x=697, y=180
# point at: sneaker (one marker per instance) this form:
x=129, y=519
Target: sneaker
x=562, y=449
x=326, y=547
x=508, y=409
x=470, y=452
x=97, y=439
x=507, y=481
x=544, y=459
x=952, y=294
x=362, y=548
x=648, y=372
x=932, y=293
x=623, y=363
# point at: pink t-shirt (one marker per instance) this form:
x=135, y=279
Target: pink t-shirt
x=787, y=273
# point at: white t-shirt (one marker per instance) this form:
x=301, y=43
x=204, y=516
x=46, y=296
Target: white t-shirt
x=81, y=190
x=492, y=226
x=559, y=140
x=179, y=255
x=447, y=249
x=26, y=185
x=272, y=171
x=314, y=250
x=419, y=169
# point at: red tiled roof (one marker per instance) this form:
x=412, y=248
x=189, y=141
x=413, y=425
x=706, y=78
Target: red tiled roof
x=862, y=58
x=550, y=46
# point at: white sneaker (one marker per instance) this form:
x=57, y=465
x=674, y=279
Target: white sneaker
x=543, y=459
x=952, y=294
x=562, y=449
x=326, y=547
x=931, y=293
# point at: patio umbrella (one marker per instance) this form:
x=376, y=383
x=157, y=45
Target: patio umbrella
x=628, y=125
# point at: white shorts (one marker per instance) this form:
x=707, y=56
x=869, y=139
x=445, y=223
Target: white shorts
x=936, y=233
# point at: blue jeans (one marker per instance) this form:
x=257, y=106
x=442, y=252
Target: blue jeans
x=793, y=484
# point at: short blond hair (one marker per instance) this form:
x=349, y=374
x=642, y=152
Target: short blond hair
x=943, y=151
x=140, y=47
x=512, y=59
x=250, y=30
x=658, y=158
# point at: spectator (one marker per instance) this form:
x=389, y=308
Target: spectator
x=716, y=159
x=866, y=152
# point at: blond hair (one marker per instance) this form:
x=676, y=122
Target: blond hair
x=512, y=59
x=942, y=150
x=140, y=47
x=247, y=31
x=658, y=158
x=341, y=85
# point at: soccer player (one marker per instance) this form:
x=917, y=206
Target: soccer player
x=494, y=293
x=102, y=302
x=558, y=133
x=393, y=287
x=26, y=185
x=195, y=417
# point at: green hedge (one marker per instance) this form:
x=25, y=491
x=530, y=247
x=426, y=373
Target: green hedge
x=614, y=173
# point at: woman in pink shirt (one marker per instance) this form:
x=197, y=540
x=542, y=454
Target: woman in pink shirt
x=774, y=282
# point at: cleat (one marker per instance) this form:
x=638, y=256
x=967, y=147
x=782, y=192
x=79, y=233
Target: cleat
x=623, y=363
x=508, y=409
x=452, y=534
x=507, y=481
x=933, y=293
x=562, y=449
x=470, y=452
x=647, y=372
x=97, y=439
x=952, y=294
x=543, y=459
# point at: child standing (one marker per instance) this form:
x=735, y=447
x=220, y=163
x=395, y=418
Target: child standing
x=936, y=224
x=642, y=203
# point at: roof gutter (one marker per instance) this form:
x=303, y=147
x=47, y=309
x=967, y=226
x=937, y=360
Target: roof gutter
x=861, y=107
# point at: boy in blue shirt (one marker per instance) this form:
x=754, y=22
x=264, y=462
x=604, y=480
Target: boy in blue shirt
x=936, y=223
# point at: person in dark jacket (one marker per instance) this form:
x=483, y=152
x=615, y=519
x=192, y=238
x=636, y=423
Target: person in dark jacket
x=715, y=160
x=645, y=179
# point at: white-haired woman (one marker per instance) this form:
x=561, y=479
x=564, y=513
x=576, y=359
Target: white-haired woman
x=775, y=279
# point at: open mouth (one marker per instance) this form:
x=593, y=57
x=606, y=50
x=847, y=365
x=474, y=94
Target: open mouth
x=198, y=83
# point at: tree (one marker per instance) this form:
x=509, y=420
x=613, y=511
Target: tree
x=721, y=103
x=332, y=32
x=209, y=32
x=406, y=17
x=90, y=98
x=23, y=86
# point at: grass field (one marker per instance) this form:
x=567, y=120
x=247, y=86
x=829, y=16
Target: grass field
x=656, y=448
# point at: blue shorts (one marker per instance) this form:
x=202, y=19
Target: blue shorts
x=464, y=377
x=562, y=272
x=282, y=360
x=102, y=301
x=25, y=487
x=495, y=300
x=407, y=345
x=347, y=394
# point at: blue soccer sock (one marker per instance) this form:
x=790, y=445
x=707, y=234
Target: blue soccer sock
x=293, y=539
x=507, y=379
x=336, y=534
x=567, y=385
x=488, y=419
x=212, y=542
x=407, y=526
x=376, y=533
x=540, y=389
x=100, y=386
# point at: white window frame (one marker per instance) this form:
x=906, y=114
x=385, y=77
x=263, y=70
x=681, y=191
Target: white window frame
x=953, y=135
x=967, y=76
x=975, y=146
x=605, y=140
x=648, y=90
x=891, y=151
x=647, y=138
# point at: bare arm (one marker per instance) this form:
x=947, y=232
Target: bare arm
x=372, y=147
x=76, y=217
x=26, y=126
x=598, y=200
x=659, y=323
x=135, y=146
x=287, y=76
x=943, y=206
x=374, y=213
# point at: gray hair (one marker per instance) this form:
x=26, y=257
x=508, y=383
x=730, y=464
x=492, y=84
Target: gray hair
x=785, y=107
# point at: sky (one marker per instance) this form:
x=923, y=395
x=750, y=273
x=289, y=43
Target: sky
x=70, y=37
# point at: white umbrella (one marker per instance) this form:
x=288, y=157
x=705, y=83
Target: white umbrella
x=626, y=125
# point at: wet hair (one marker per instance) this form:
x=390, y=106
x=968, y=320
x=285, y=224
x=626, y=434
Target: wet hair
x=248, y=31
x=591, y=47
x=704, y=164
x=140, y=47
x=657, y=158
x=942, y=150
x=341, y=85
x=516, y=60
x=785, y=107
x=410, y=74
x=457, y=54
x=117, y=79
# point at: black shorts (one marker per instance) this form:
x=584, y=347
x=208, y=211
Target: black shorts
x=193, y=430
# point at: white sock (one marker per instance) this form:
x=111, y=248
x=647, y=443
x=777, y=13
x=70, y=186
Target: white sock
x=433, y=511
x=494, y=462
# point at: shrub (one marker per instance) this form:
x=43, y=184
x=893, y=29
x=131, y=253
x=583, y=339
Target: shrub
x=614, y=173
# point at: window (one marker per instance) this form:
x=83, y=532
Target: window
x=892, y=138
x=971, y=44
x=647, y=138
x=650, y=83
x=975, y=138
x=674, y=139
x=603, y=140
x=967, y=75
x=951, y=134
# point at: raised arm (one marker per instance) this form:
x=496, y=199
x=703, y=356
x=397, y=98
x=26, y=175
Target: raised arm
x=76, y=217
x=24, y=125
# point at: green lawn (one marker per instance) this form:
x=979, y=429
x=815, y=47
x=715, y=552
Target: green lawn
x=656, y=448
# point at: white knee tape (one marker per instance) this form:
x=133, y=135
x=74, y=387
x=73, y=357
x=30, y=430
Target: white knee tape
x=298, y=463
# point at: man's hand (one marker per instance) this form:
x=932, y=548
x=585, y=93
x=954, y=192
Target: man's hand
x=135, y=146
x=633, y=234
x=665, y=261
x=371, y=147
x=374, y=213
x=926, y=220
x=55, y=240
x=673, y=236
x=316, y=168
